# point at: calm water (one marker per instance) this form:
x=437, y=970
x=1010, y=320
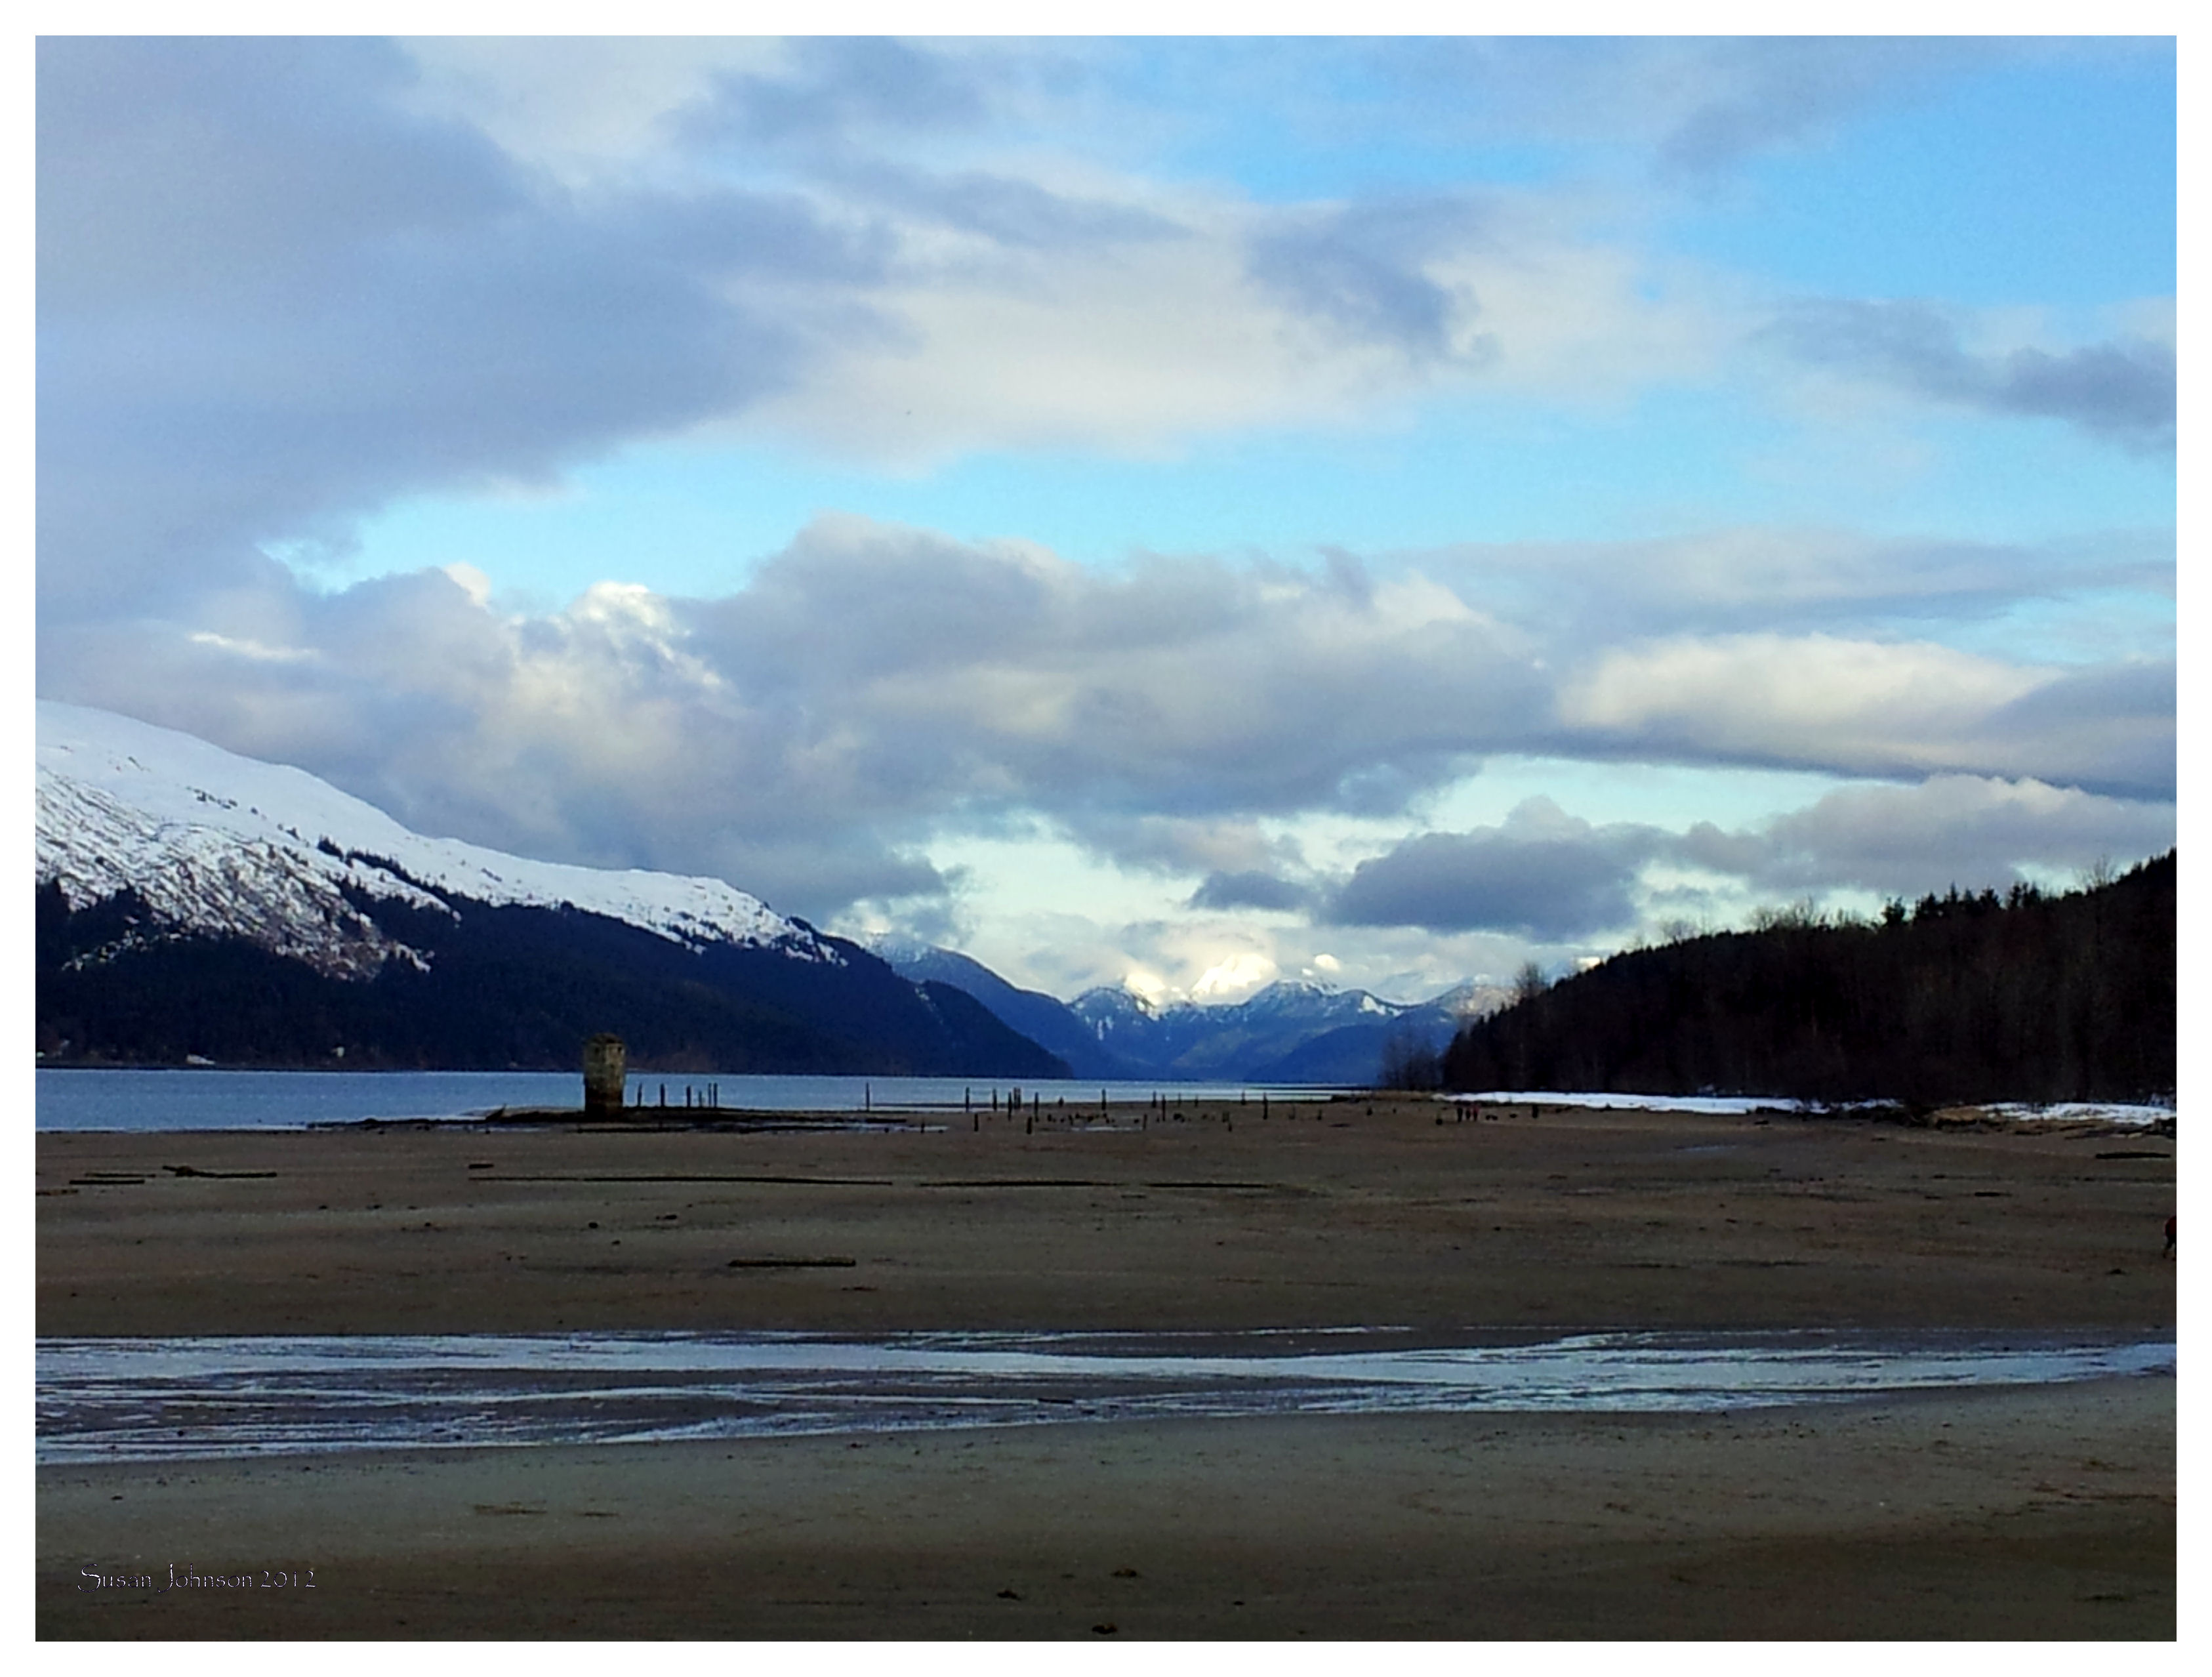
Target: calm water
x=215, y=1099
x=122, y=1399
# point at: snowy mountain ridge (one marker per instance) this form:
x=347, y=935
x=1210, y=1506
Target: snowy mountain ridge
x=1109, y=1007
x=1292, y=1030
x=227, y=845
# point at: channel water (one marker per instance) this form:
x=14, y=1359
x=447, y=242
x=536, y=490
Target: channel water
x=163, y=1399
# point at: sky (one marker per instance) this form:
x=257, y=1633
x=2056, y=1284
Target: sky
x=1172, y=512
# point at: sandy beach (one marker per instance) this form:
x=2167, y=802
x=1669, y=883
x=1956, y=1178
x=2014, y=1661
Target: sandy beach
x=2047, y=1512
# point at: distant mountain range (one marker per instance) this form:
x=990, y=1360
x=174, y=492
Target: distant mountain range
x=194, y=904
x=1287, y=1033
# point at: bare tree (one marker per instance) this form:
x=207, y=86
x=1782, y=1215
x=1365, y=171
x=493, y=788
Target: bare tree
x=1408, y=1062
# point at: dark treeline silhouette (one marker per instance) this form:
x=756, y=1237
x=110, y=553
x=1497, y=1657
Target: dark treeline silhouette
x=1958, y=998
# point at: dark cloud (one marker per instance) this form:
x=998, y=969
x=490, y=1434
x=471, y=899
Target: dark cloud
x=1178, y=845
x=1541, y=874
x=818, y=879
x=272, y=298
x=1359, y=269
x=1760, y=94
x=837, y=88
x=1544, y=875
x=1184, y=689
x=1250, y=890
x=176, y=168
x=2122, y=391
x=2111, y=729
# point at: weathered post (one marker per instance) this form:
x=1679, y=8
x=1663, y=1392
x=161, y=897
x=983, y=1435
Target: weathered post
x=604, y=1073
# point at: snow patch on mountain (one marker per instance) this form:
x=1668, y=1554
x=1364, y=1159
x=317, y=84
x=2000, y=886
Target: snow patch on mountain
x=223, y=844
x=195, y=878
x=1475, y=999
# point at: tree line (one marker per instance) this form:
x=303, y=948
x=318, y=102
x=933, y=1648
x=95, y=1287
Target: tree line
x=1962, y=997
x=507, y=986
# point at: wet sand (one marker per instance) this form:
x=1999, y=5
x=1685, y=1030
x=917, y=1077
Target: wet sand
x=2024, y=1513
x=1999, y=1515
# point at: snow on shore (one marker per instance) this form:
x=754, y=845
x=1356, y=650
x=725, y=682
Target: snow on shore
x=2076, y=1112
x=2072, y=1112
x=1717, y=1105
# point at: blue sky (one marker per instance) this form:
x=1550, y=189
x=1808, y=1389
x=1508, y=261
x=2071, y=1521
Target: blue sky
x=1178, y=512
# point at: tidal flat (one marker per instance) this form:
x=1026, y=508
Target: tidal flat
x=2044, y=1511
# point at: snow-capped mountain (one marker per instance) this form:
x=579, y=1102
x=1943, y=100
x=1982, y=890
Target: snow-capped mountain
x=1289, y=1032
x=1473, y=1000
x=222, y=844
x=193, y=904
x=1119, y=1017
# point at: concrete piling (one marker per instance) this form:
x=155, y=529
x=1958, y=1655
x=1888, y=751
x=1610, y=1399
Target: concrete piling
x=604, y=1075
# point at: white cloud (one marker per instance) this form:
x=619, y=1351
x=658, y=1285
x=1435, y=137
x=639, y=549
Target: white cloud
x=1238, y=976
x=1139, y=346
x=810, y=735
x=585, y=108
x=1859, y=705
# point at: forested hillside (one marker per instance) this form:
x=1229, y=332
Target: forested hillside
x=503, y=986
x=2028, y=997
